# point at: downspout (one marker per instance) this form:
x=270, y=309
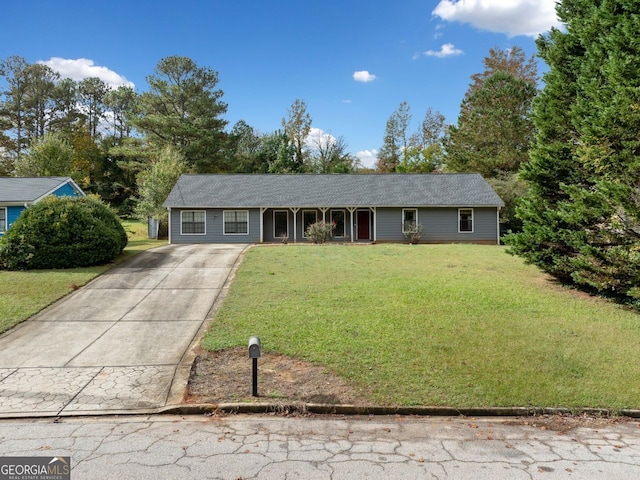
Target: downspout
x=498, y=224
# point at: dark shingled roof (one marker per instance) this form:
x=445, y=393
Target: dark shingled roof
x=28, y=189
x=300, y=190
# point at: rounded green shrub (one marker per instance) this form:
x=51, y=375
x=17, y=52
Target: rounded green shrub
x=63, y=232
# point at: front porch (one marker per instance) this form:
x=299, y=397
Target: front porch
x=353, y=224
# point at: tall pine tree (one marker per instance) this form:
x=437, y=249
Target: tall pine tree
x=183, y=108
x=582, y=216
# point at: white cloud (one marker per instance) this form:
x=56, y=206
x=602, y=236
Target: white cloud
x=82, y=68
x=368, y=158
x=346, y=100
x=446, y=50
x=513, y=17
x=317, y=135
x=363, y=76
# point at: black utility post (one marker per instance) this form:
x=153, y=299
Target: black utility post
x=254, y=354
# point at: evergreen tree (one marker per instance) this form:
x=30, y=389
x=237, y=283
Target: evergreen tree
x=121, y=102
x=582, y=216
x=91, y=94
x=512, y=61
x=183, y=109
x=494, y=127
x=41, y=84
x=65, y=112
x=244, y=145
x=13, y=107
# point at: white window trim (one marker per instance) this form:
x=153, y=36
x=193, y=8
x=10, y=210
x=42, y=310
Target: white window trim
x=344, y=218
x=405, y=210
x=304, y=229
x=3, y=224
x=286, y=212
x=193, y=211
x=473, y=221
x=224, y=213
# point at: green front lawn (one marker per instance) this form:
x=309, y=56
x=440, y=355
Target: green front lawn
x=22, y=294
x=456, y=325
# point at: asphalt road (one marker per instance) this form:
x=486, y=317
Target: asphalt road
x=326, y=448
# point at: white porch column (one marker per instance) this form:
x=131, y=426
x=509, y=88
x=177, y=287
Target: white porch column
x=375, y=224
x=351, y=210
x=295, y=223
x=262, y=210
x=324, y=214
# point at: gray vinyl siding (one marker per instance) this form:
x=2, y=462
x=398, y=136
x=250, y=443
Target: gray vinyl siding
x=214, y=227
x=440, y=225
x=389, y=224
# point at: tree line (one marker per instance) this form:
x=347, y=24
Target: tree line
x=114, y=141
x=118, y=143
x=121, y=145
x=491, y=137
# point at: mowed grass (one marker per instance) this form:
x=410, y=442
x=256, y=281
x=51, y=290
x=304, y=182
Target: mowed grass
x=23, y=294
x=455, y=325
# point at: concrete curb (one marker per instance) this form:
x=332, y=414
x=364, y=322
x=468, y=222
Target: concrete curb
x=324, y=409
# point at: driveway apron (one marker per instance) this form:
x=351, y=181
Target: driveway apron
x=120, y=344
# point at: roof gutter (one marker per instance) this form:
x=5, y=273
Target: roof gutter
x=465, y=205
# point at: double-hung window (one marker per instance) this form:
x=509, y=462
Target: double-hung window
x=236, y=222
x=309, y=217
x=281, y=224
x=465, y=220
x=409, y=219
x=192, y=222
x=337, y=217
x=3, y=219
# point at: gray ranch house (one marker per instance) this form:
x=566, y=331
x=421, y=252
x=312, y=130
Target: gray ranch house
x=257, y=208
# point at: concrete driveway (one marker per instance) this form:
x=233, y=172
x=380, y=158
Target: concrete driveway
x=122, y=343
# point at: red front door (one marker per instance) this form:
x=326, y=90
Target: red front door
x=363, y=225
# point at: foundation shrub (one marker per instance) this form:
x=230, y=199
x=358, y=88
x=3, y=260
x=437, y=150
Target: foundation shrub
x=63, y=232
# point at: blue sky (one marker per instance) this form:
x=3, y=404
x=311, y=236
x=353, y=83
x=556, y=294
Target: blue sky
x=351, y=61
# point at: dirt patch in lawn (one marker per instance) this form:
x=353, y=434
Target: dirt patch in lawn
x=225, y=376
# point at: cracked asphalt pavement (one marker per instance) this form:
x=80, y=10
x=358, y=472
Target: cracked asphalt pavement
x=332, y=447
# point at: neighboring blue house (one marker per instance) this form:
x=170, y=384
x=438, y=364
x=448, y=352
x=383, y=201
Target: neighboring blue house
x=258, y=208
x=17, y=193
